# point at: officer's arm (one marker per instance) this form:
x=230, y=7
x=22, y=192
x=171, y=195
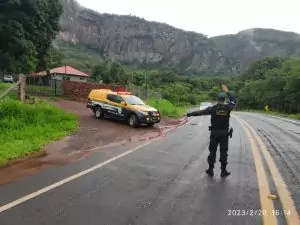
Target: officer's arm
x=203, y=112
x=232, y=100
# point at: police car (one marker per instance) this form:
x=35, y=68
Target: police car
x=204, y=105
x=122, y=106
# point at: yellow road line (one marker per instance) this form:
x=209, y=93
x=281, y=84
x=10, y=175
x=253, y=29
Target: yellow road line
x=284, y=194
x=263, y=185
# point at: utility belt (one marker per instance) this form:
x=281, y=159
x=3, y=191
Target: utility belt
x=229, y=130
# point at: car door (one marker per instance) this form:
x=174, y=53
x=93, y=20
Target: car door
x=115, y=108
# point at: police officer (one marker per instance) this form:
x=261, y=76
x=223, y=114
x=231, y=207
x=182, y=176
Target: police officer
x=220, y=114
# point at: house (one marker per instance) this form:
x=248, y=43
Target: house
x=65, y=73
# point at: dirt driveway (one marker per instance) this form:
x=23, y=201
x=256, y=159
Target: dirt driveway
x=96, y=133
x=92, y=135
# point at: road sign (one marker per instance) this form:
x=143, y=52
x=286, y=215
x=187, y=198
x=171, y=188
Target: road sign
x=267, y=108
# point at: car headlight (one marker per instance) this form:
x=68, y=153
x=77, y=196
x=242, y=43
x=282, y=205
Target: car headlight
x=144, y=113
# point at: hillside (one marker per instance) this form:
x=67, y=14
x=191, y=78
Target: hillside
x=140, y=43
x=254, y=44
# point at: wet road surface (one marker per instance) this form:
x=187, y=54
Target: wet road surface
x=163, y=181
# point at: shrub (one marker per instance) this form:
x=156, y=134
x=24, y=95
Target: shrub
x=166, y=108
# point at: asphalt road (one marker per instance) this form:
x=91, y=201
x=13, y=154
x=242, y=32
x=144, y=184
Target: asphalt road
x=163, y=182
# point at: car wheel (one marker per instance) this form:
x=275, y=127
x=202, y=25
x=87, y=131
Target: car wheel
x=133, y=120
x=98, y=112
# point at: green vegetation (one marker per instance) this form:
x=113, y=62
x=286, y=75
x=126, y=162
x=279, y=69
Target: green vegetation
x=13, y=94
x=166, y=108
x=26, y=129
x=271, y=81
x=26, y=47
x=177, y=89
x=27, y=29
x=78, y=56
x=274, y=82
x=4, y=86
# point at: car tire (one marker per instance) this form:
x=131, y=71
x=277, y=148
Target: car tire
x=98, y=113
x=133, y=120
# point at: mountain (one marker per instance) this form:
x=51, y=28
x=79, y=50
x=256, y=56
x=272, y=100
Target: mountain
x=144, y=44
x=254, y=44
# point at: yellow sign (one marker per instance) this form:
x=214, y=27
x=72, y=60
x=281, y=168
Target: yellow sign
x=267, y=108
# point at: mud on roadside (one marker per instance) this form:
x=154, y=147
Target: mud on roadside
x=92, y=135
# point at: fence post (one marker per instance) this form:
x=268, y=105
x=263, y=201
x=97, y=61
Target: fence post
x=22, y=92
x=55, y=87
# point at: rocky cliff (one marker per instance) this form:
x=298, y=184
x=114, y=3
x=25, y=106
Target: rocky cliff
x=254, y=44
x=137, y=42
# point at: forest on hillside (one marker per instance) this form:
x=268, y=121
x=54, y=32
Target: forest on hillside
x=272, y=81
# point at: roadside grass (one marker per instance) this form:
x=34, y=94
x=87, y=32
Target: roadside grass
x=166, y=108
x=4, y=86
x=26, y=129
x=274, y=113
x=12, y=94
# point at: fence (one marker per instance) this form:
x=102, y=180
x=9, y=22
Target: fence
x=47, y=86
x=143, y=93
x=43, y=86
x=14, y=90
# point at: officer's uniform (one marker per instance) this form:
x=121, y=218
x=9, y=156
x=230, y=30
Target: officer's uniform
x=220, y=114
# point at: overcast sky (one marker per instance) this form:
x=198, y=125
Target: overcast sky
x=210, y=17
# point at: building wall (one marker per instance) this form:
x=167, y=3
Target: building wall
x=72, y=78
x=80, y=90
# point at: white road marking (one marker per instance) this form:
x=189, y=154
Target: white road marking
x=68, y=179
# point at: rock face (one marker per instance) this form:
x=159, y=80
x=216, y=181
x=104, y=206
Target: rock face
x=137, y=42
x=254, y=44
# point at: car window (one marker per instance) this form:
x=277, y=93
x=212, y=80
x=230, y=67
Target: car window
x=114, y=98
x=133, y=100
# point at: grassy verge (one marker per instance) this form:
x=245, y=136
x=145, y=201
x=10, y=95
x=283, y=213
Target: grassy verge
x=4, y=86
x=166, y=108
x=25, y=129
x=290, y=116
x=12, y=94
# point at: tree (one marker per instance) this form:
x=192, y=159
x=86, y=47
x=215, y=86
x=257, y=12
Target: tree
x=116, y=73
x=214, y=92
x=101, y=72
x=27, y=29
x=277, y=85
x=259, y=68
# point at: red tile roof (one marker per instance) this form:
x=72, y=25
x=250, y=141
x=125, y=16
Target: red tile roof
x=62, y=70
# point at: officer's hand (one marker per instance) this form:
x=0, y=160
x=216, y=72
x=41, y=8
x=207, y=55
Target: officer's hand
x=224, y=88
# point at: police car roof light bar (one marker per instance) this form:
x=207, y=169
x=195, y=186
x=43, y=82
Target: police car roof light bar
x=123, y=93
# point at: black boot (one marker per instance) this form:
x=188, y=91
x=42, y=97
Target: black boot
x=224, y=171
x=210, y=170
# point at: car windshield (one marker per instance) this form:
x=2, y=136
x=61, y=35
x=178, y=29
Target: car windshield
x=133, y=100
